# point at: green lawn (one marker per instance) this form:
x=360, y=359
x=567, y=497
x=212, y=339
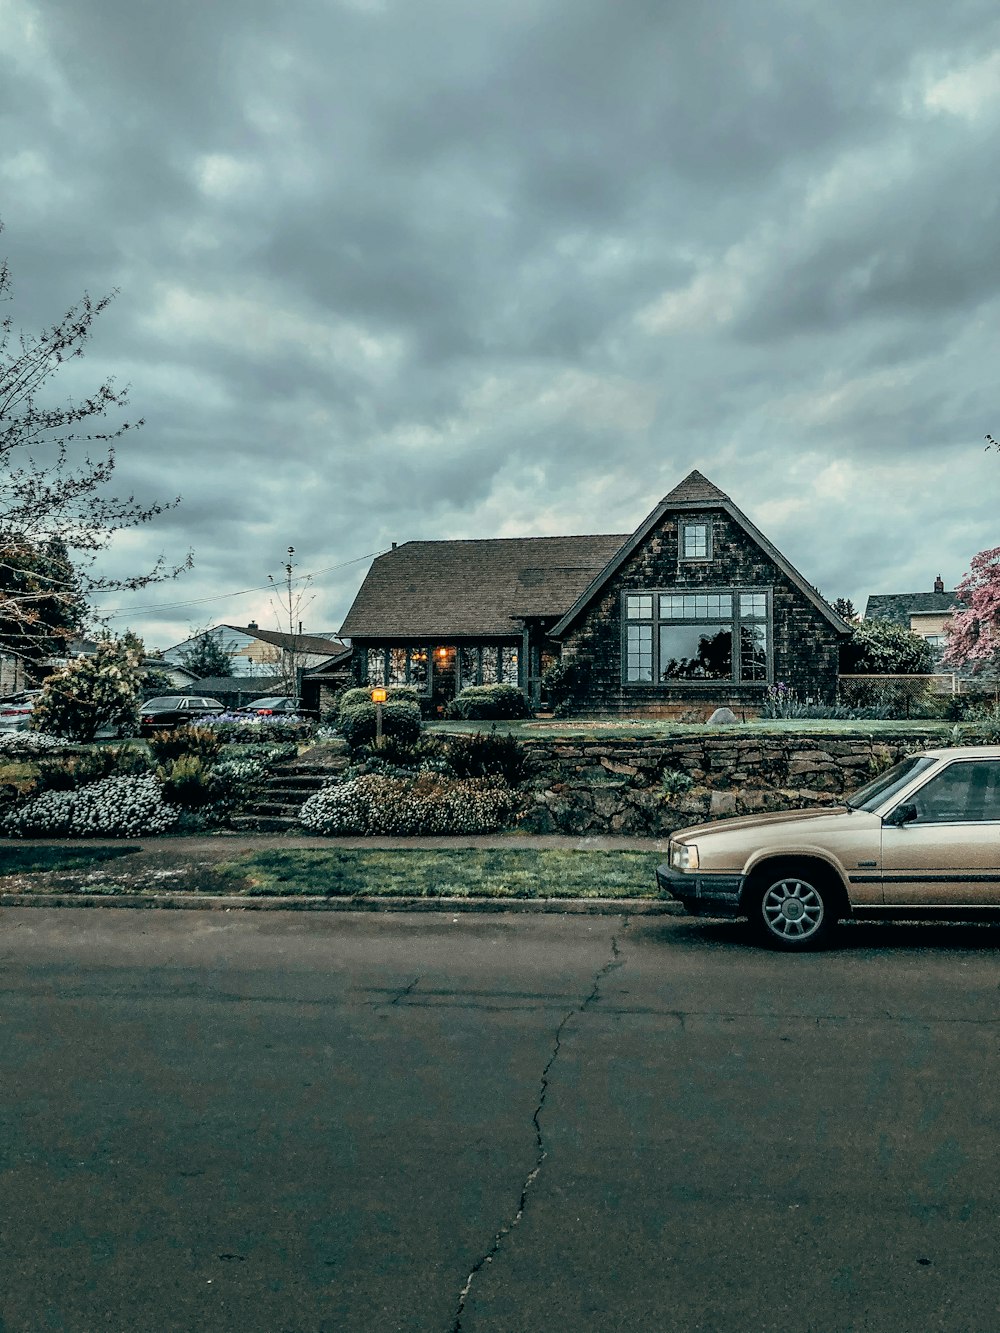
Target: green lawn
x=506, y=873
x=30, y=860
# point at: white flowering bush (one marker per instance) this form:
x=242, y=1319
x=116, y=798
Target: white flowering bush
x=93, y=692
x=428, y=803
x=116, y=807
x=30, y=743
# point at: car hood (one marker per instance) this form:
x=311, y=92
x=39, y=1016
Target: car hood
x=819, y=819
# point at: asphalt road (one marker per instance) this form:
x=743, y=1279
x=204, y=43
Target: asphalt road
x=286, y=1123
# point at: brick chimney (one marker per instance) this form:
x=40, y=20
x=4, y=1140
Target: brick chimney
x=253, y=624
x=939, y=584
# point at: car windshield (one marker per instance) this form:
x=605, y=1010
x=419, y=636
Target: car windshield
x=887, y=784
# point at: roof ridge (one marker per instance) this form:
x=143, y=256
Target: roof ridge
x=695, y=486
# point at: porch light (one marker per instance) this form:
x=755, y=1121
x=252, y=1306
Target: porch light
x=379, y=697
x=442, y=652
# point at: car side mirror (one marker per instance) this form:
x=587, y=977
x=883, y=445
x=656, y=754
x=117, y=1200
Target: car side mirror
x=905, y=813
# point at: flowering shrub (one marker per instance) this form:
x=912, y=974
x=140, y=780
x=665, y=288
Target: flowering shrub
x=245, y=728
x=30, y=743
x=93, y=692
x=428, y=803
x=119, y=807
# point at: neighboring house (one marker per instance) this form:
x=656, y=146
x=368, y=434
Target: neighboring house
x=925, y=613
x=319, y=685
x=259, y=652
x=696, y=608
x=13, y=674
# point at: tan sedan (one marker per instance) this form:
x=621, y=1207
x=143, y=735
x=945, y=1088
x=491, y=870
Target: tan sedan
x=922, y=839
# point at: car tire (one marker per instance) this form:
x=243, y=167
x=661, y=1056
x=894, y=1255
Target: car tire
x=793, y=908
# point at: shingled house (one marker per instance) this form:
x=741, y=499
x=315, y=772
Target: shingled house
x=925, y=613
x=694, y=609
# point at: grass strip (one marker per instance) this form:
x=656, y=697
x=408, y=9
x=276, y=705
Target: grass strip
x=34, y=860
x=425, y=873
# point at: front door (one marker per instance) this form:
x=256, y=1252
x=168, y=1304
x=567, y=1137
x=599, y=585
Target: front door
x=949, y=856
x=442, y=675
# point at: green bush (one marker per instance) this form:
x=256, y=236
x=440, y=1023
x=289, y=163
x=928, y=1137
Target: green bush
x=486, y=756
x=400, y=720
x=106, y=761
x=189, y=782
x=674, y=782
x=483, y=702
x=203, y=743
x=425, y=751
x=363, y=695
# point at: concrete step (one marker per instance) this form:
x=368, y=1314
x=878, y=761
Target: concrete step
x=266, y=824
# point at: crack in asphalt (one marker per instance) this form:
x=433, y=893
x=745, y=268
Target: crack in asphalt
x=613, y=962
x=401, y=995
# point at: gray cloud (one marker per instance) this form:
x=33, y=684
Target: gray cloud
x=392, y=271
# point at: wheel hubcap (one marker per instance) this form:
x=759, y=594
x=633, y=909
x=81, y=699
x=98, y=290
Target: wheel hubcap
x=792, y=909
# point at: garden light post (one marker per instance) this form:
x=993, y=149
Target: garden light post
x=378, y=699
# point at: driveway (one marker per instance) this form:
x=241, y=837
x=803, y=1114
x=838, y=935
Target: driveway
x=277, y=1122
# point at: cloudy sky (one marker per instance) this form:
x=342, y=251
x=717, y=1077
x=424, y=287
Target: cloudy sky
x=398, y=269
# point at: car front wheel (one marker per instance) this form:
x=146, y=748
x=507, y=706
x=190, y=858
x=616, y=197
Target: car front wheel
x=794, y=910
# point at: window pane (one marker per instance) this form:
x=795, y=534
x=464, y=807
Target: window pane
x=753, y=652
x=696, y=606
x=696, y=652
x=753, y=605
x=639, y=606
x=397, y=667
x=418, y=667
x=639, y=653
x=963, y=793
x=489, y=666
x=508, y=666
x=695, y=541
x=468, y=667
x=376, y=666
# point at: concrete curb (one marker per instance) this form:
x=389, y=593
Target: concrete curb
x=307, y=903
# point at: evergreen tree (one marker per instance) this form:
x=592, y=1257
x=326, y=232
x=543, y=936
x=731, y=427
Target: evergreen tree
x=207, y=656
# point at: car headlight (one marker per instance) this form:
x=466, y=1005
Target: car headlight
x=683, y=856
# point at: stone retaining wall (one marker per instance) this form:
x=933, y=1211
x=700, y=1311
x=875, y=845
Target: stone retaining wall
x=595, y=786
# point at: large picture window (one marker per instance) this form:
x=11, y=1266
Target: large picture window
x=716, y=634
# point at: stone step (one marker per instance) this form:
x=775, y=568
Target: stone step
x=294, y=782
x=275, y=808
x=266, y=824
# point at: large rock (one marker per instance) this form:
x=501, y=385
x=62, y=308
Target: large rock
x=722, y=717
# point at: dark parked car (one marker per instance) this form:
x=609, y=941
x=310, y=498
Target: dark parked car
x=273, y=706
x=177, y=711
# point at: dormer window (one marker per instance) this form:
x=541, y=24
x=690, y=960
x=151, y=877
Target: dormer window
x=696, y=541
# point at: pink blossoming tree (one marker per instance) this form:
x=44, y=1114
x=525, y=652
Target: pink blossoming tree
x=974, y=634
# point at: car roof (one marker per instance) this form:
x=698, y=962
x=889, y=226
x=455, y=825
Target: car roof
x=965, y=752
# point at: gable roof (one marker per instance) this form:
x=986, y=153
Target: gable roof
x=477, y=588
x=697, y=492
x=899, y=606
x=300, y=643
